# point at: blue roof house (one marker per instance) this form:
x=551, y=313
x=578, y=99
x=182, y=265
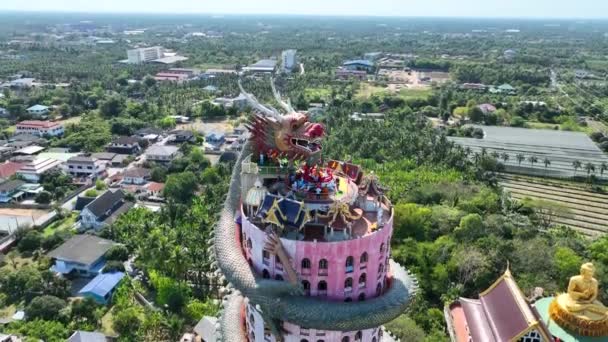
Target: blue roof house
x=215, y=138
x=102, y=287
x=359, y=64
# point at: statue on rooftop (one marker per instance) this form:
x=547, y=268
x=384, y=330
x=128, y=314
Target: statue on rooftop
x=579, y=309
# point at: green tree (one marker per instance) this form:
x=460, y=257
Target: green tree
x=169, y=292
x=470, y=228
x=44, y=197
x=532, y=160
x=83, y=309
x=520, y=157
x=576, y=165
x=112, y=106
x=91, y=193
x=30, y=241
x=589, y=167
x=406, y=329
x=547, y=162
x=158, y=174
x=45, y=307
x=118, y=253
x=411, y=220
x=567, y=262
x=603, y=168
x=181, y=187
x=126, y=322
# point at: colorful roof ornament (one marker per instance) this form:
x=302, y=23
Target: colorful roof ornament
x=352, y=171
x=283, y=212
x=370, y=186
x=341, y=215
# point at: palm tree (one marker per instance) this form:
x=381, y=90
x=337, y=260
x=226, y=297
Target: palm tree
x=520, y=157
x=532, y=160
x=590, y=168
x=576, y=165
x=547, y=163
x=603, y=168
x=505, y=157
x=495, y=155
x=484, y=151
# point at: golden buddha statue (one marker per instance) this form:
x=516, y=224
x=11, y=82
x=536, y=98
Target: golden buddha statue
x=578, y=309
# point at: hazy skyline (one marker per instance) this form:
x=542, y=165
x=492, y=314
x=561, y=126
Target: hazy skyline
x=427, y=8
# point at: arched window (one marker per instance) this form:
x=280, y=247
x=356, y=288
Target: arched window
x=265, y=274
x=362, y=280
x=305, y=263
x=348, y=283
x=380, y=270
x=278, y=277
x=345, y=339
x=266, y=257
x=322, y=285
x=251, y=319
x=306, y=286
x=350, y=264
x=363, y=258
x=382, y=247
x=374, y=339
x=320, y=340
x=249, y=244
x=277, y=260
x=359, y=336
x=379, y=289
x=323, y=265
x=303, y=340
x=361, y=297
x=348, y=299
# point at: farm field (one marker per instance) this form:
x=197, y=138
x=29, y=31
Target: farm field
x=588, y=210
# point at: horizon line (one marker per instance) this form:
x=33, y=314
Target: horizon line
x=195, y=13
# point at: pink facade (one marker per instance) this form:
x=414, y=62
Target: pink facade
x=344, y=270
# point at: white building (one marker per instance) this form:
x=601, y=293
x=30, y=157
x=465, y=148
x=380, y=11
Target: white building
x=38, y=110
x=33, y=170
x=40, y=128
x=141, y=55
x=82, y=166
x=289, y=60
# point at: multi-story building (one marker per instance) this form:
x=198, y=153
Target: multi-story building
x=82, y=166
x=322, y=227
x=33, y=170
x=38, y=110
x=40, y=128
x=289, y=60
x=141, y=55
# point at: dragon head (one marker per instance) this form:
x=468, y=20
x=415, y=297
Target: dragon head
x=289, y=136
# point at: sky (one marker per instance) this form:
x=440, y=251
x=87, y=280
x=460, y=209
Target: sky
x=415, y=8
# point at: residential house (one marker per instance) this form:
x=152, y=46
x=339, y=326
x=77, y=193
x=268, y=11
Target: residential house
x=211, y=89
x=486, y=108
x=38, y=110
x=150, y=134
x=28, y=137
x=101, y=288
x=182, y=136
x=161, y=153
x=359, y=64
x=240, y=102
x=9, y=191
x=9, y=338
x=504, y=89
x=105, y=156
x=215, y=138
x=40, y=128
x=83, y=255
x=136, y=175
x=170, y=76
x=83, y=166
x=87, y=336
x=104, y=210
x=473, y=86
x=124, y=145
x=154, y=189
x=8, y=169
x=180, y=119
x=32, y=171
x=29, y=150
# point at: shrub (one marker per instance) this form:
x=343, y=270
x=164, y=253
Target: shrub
x=44, y=197
x=118, y=252
x=596, y=136
x=30, y=241
x=91, y=193
x=45, y=307
x=114, y=266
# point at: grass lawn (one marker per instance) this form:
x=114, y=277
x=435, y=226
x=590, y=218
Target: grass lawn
x=8, y=311
x=367, y=90
x=20, y=261
x=542, y=125
x=64, y=224
x=313, y=93
x=409, y=93
x=106, y=323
